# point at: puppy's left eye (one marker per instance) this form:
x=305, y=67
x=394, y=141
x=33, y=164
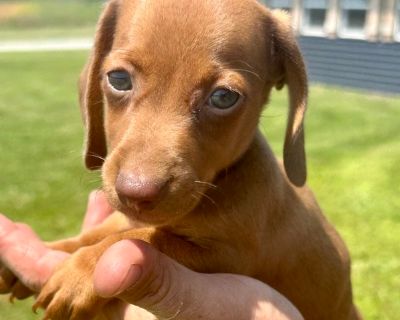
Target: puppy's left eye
x=120, y=80
x=224, y=99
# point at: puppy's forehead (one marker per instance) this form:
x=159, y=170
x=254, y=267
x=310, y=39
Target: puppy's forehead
x=188, y=30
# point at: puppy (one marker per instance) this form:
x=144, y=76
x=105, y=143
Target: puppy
x=171, y=97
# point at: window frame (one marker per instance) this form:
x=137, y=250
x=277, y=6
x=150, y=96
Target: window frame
x=288, y=8
x=396, y=29
x=308, y=30
x=348, y=33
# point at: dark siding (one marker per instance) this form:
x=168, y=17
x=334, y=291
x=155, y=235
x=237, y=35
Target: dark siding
x=353, y=63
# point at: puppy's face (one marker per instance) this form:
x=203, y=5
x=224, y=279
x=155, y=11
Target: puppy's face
x=183, y=84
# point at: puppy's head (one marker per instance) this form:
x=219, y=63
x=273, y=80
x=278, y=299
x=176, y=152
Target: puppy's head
x=172, y=95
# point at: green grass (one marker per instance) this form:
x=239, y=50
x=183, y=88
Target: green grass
x=42, y=180
x=353, y=148
x=47, y=33
x=49, y=18
x=353, y=144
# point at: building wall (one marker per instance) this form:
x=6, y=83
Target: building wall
x=353, y=63
x=354, y=43
x=371, y=20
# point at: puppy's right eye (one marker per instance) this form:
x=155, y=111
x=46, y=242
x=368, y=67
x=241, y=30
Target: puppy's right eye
x=120, y=80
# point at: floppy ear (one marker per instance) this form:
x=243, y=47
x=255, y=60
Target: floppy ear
x=90, y=92
x=290, y=70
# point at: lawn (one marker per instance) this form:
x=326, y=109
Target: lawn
x=41, y=19
x=353, y=144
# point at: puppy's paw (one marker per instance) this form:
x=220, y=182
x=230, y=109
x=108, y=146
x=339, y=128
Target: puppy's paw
x=69, y=245
x=7, y=280
x=69, y=294
x=20, y=292
x=9, y=284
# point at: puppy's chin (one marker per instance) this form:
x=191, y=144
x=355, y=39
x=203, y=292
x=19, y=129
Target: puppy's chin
x=169, y=210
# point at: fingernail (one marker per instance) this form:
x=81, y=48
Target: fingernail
x=132, y=276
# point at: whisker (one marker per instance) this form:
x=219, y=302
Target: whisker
x=207, y=197
x=195, y=197
x=247, y=64
x=250, y=72
x=96, y=156
x=207, y=184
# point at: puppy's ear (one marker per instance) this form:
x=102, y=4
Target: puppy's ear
x=289, y=69
x=90, y=92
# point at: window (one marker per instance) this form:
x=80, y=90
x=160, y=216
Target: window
x=314, y=16
x=353, y=18
x=397, y=23
x=281, y=4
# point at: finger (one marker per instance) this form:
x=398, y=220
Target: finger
x=120, y=310
x=7, y=278
x=6, y=226
x=137, y=313
x=133, y=271
x=21, y=244
x=25, y=255
x=138, y=274
x=113, y=273
x=47, y=264
x=97, y=211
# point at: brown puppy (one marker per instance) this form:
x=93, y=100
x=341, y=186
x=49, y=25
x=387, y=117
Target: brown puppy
x=172, y=96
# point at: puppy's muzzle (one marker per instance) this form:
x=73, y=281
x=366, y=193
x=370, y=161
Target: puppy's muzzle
x=139, y=192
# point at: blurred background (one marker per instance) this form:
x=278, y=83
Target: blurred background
x=352, y=50
x=43, y=19
x=354, y=43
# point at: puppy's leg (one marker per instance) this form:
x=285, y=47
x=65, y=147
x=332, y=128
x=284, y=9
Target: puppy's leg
x=69, y=294
x=116, y=222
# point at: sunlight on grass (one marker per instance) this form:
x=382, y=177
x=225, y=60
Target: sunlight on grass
x=46, y=33
x=353, y=149
x=353, y=146
x=44, y=19
x=41, y=140
x=42, y=179
x=26, y=15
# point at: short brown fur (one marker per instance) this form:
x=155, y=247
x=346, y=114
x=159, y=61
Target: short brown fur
x=230, y=206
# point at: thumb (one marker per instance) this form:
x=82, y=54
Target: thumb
x=97, y=211
x=135, y=272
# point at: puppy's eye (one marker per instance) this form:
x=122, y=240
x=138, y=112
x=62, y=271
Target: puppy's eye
x=224, y=99
x=120, y=80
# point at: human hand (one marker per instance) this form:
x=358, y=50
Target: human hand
x=141, y=277
x=23, y=248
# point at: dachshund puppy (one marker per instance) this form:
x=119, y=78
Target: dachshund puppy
x=171, y=98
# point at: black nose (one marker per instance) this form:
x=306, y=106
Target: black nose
x=138, y=191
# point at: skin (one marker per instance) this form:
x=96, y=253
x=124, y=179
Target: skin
x=206, y=298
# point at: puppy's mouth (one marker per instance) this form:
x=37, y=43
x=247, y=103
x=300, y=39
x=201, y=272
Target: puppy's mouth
x=169, y=208
x=146, y=214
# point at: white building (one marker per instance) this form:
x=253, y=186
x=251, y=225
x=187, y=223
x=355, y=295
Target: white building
x=352, y=43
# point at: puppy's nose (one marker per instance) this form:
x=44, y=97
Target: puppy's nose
x=138, y=191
